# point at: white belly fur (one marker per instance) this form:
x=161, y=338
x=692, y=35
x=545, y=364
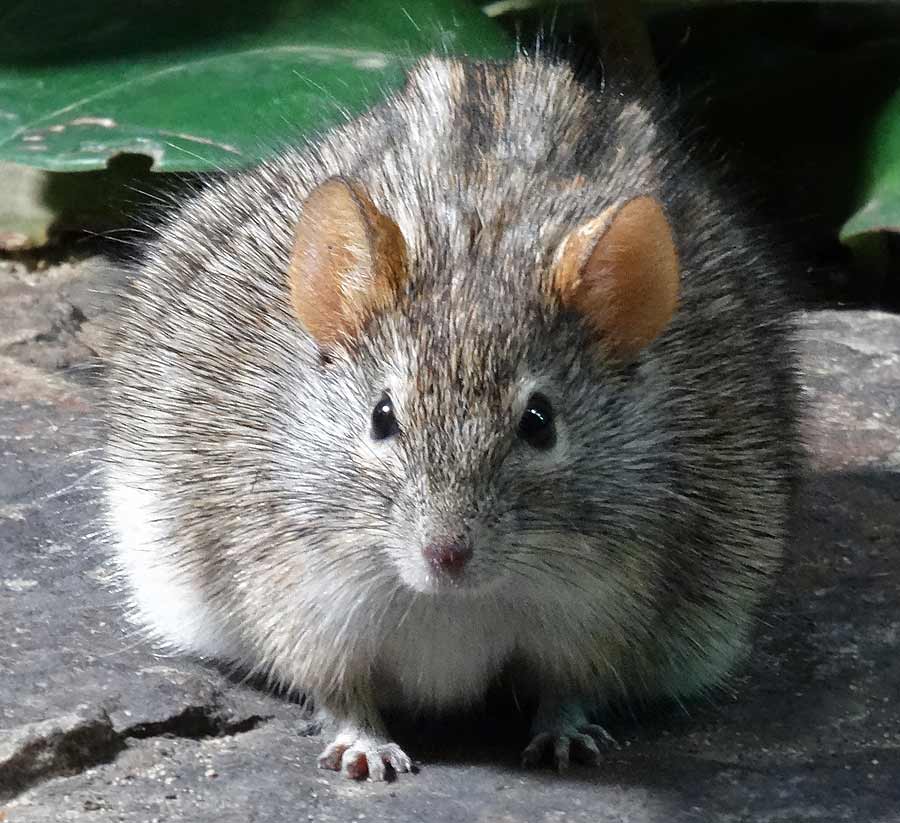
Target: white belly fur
x=445, y=654
x=163, y=599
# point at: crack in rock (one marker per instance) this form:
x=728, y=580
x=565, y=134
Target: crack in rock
x=195, y=723
x=69, y=745
x=56, y=748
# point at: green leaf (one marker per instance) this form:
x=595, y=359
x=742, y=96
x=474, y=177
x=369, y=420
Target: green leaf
x=880, y=209
x=208, y=83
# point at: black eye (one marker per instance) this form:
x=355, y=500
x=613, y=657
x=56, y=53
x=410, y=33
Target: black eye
x=384, y=423
x=536, y=426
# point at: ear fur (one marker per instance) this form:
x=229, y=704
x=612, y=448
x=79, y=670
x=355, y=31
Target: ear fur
x=348, y=262
x=620, y=271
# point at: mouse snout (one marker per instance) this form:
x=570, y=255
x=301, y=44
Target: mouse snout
x=448, y=555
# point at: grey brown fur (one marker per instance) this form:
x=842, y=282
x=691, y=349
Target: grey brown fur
x=258, y=523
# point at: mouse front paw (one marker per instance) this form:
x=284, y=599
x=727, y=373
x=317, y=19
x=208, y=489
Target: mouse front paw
x=565, y=735
x=358, y=755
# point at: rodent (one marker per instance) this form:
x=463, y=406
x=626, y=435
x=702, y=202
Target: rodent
x=490, y=378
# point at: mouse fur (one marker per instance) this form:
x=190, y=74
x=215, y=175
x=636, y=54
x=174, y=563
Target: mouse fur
x=257, y=522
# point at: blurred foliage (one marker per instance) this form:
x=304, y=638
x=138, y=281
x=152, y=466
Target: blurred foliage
x=204, y=85
x=791, y=95
x=803, y=99
x=881, y=204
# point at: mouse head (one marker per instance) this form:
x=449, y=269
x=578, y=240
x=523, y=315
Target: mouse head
x=496, y=422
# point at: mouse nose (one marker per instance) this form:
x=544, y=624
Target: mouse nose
x=449, y=555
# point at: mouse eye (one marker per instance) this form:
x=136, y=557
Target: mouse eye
x=384, y=422
x=536, y=426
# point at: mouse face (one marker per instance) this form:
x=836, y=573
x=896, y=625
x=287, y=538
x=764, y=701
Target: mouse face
x=486, y=456
x=476, y=442
x=492, y=436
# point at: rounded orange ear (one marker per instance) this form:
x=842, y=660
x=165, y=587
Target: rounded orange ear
x=620, y=271
x=348, y=261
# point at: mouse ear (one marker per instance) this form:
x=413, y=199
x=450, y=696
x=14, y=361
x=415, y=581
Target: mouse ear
x=348, y=261
x=620, y=272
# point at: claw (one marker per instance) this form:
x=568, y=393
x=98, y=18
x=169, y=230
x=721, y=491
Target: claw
x=399, y=760
x=590, y=752
x=534, y=751
x=578, y=744
x=600, y=734
x=561, y=747
x=360, y=756
x=331, y=757
x=355, y=765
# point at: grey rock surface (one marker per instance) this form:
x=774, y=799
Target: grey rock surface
x=96, y=725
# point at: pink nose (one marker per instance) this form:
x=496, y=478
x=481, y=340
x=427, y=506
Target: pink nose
x=448, y=556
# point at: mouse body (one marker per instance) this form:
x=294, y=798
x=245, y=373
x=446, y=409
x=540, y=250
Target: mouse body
x=488, y=379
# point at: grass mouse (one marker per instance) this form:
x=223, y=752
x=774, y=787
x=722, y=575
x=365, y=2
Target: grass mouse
x=488, y=379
